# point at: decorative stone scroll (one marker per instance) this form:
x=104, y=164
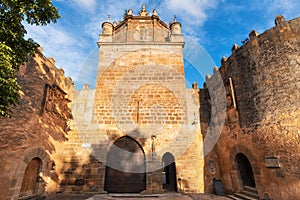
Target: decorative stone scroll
x=56, y=104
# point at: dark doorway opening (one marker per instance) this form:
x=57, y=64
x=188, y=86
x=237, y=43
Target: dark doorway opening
x=169, y=172
x=31, y=178
x=125, y=167
x=245, y=170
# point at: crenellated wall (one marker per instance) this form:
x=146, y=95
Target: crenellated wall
x=249, y=108
x=36, y=129
x=262, y=84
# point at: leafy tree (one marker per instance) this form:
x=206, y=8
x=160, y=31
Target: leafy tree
x=14, y=48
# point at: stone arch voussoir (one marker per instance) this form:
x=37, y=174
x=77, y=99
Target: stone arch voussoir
x=16, y=182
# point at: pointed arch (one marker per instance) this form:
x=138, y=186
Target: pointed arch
x=125, y=167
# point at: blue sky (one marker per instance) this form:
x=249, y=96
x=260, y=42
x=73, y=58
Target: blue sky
x=213, y=26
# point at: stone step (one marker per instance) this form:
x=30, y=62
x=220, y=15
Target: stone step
x=33, y=197
x=243, y=196
x=123, y=196
x=233, y=197
x=250, y=194
x=250, y=189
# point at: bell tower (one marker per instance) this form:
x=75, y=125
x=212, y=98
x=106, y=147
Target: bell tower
x=142, y=110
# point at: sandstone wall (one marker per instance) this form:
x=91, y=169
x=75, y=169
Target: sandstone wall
x=36, y=128
x=262, y=118
x=140, y=92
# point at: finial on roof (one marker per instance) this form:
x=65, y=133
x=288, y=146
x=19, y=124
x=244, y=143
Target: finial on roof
x=108, y=18
x=154, y=13
x=175, y=26
x=86, y=86
x=129, y=12
x=144, y=11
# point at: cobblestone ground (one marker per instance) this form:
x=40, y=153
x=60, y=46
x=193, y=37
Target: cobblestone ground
x=171, y=196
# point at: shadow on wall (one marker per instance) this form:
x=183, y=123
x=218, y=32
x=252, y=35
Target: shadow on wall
x=36, y=125
x=84, y=170
x=81, y=176
x=81, y=170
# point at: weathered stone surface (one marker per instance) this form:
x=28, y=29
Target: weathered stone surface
x=265, y=73
x=249, y=106
x=141, y=93
x=35, y=126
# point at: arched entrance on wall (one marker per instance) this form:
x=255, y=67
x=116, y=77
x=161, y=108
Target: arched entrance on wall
x=245, y=170
x=169, y=172
x=30, y=178
x=126, y=167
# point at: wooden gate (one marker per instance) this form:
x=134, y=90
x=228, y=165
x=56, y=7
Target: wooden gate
x=125, y=168
x=30, y=179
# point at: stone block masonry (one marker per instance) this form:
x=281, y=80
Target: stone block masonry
x=139, y=130
x=36, y=129
x=141, y=94
x=264, y=125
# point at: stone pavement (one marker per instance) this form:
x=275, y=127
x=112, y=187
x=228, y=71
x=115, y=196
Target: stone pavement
x=167, y=196
x=170, y=196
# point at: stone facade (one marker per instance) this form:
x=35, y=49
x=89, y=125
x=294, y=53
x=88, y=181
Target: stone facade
x=140, y=94
x=36, y=129
x=142, y=130
x=262, y=84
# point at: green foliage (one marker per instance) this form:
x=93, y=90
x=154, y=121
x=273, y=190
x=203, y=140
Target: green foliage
x=14, y=49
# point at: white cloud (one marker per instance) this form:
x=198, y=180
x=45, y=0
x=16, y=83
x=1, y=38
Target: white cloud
x=60, y=45
x=89, y=5
x=70, y=43
x=288, y=8
x=193, y=11
x=93, y=28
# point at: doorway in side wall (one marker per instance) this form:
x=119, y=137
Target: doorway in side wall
x=245, y=170
x=31, y=178
x=169, y=172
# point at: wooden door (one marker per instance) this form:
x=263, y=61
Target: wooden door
x=30, y=179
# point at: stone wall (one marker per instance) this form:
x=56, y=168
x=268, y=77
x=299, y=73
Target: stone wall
x=249, y=106
x=36, y=128
x=262, y=118
x=136, y=100
x=141, y=94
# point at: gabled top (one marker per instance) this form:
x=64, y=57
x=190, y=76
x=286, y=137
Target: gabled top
x=141, y=28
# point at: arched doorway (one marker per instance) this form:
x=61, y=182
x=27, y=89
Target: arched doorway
x=30, y=179
x=245, y=170
x=169, y=172
x=125, y=167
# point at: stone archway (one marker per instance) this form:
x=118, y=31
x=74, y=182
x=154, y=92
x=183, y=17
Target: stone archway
x=31, y=178
x=245, y=170
x=125, y=167
x=169, y=172
x=237, y=185
x=17, y=180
